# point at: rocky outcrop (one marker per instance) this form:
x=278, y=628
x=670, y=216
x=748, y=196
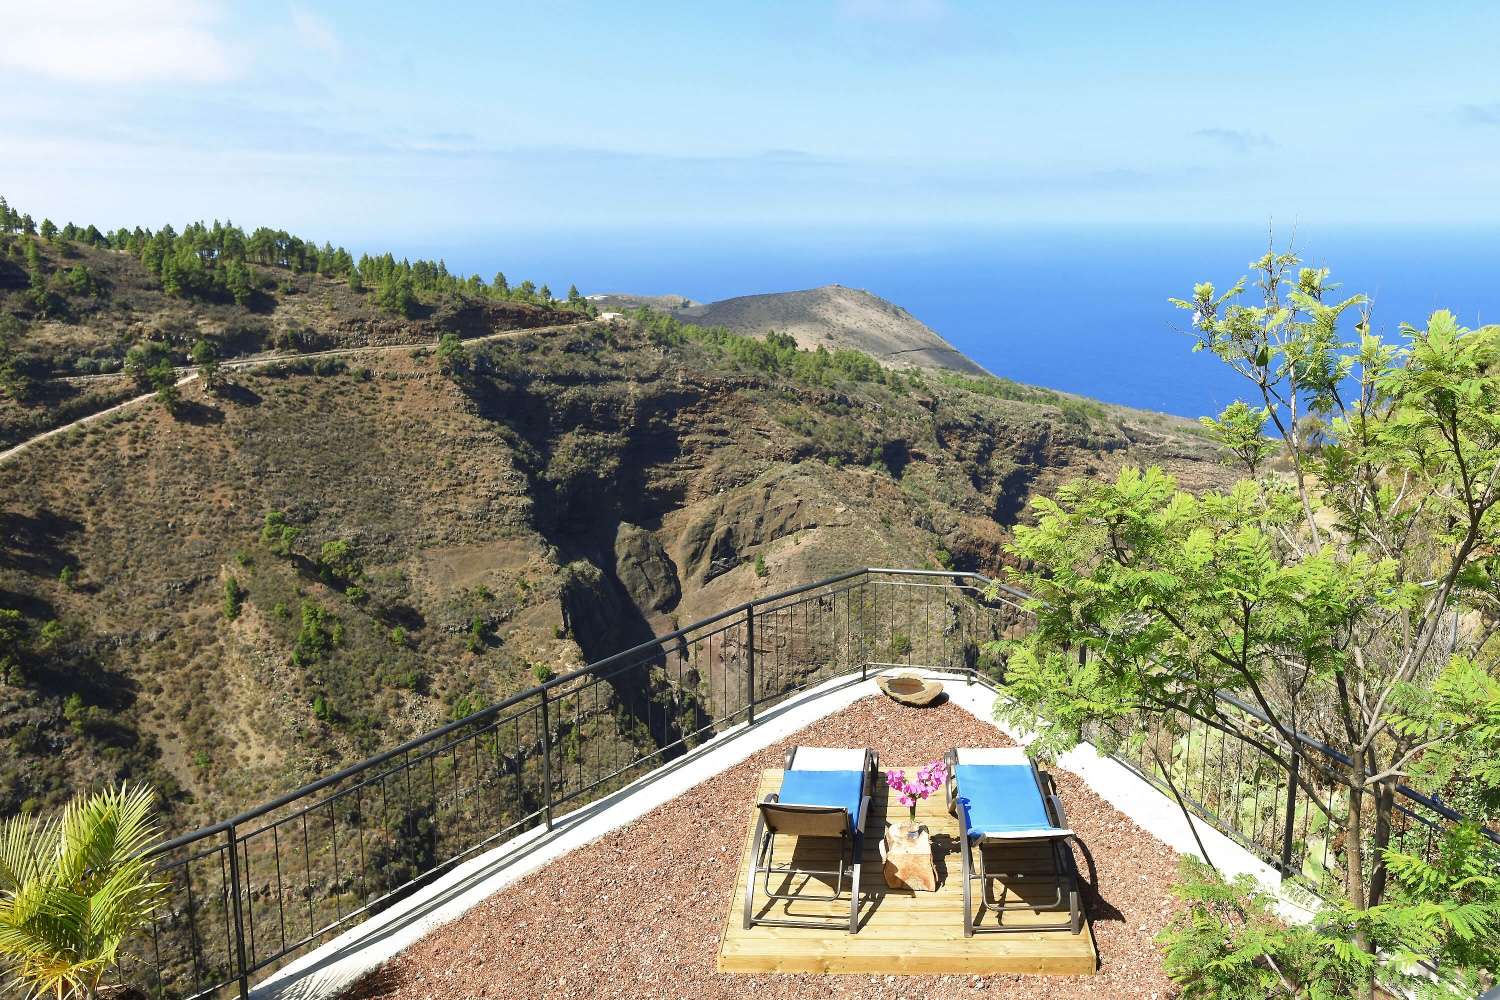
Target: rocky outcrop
x=644, y=569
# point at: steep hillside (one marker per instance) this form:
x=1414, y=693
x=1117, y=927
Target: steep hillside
x=831, y=316
x=72, y=310
x=263, y=582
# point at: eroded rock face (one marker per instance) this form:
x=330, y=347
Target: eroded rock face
x=644, y=569
x=718, y=538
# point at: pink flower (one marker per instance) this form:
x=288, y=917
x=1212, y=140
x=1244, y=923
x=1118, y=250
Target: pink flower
x=928, y=779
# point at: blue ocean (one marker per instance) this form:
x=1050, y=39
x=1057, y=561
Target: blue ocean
x=1082, y=309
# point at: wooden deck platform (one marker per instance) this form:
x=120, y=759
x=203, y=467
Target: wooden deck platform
x=901, y=932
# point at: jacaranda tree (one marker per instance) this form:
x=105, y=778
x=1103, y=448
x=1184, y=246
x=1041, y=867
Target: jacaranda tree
x=1346, y=586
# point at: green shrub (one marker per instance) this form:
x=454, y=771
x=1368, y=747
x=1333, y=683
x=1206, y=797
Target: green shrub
x=314, y=640
x=478, y=635
x=761, y=569
x=234, y=597
x=278, y=534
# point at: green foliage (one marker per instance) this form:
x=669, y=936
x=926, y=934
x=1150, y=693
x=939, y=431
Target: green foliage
x=207, y=360
x=234, y=598
x=1240, y=431
x=68, y=577
x=541, y=672
x=776, y=353
x=80, y=282
x=761, y=569
x=478, y=634
x=74, y=709
x=314, y=640
x=1081, y=412
x=338, y=563
x=466, y=705
x=453, y=357
x=278, y=534
x=1229, y=943
x=216, y=263
x=73, y=888
x=320, y=709
x=150, y=364
x=900, y=645
x=1326, y=598
x=13, y=630
x=396, y=295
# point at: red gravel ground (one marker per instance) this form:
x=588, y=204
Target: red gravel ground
x=596, y=922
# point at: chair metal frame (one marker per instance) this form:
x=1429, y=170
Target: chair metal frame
x=795, y=820
x=1065, y=870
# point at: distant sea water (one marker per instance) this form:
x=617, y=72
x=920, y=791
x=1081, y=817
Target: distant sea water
x=1083, y=309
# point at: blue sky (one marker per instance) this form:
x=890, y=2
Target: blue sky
x=353, y=120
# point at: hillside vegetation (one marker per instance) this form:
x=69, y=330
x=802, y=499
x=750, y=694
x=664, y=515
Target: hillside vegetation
x=88, y=319
x=284, y=568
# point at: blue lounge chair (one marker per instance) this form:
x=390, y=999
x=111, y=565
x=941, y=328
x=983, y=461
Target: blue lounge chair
x=1000, y=798
x=824, y=793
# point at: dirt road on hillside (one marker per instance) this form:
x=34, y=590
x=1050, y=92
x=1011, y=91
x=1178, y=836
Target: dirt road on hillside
x=262, y=361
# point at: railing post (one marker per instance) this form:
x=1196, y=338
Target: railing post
x=750, y=665
x=864, y=665
x=239, y=921
x=1291, y=810
x=546, y=762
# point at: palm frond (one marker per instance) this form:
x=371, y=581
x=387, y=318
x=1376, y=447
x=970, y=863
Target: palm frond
x=73, y=888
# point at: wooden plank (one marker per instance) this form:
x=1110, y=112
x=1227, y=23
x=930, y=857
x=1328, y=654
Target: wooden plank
x=902, y=932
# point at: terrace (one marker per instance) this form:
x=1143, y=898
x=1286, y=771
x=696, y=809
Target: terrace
x=589, y=836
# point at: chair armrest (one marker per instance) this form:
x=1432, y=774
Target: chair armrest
x=950, y=782
x=864, y=812
x=1049, y=790
x=1060, y=817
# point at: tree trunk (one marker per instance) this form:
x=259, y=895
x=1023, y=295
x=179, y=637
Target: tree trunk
x=1354, y=867
x=1385, y=805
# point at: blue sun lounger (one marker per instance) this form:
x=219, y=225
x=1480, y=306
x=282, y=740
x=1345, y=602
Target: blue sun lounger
x=1000, y=798
x=824, y=793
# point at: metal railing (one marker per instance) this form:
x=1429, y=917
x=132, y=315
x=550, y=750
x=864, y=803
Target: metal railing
x=253, y=892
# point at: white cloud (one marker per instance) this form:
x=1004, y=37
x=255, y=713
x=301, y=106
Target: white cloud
x=894, y=10
x=315, y=32
x=1235, y=139
x=119, y=41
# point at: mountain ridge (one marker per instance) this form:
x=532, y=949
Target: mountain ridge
x=832, y=316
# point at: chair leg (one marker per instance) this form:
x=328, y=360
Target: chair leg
x=1075, y=910
x=757, y=853
x=963, y=851
x=859, y=853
